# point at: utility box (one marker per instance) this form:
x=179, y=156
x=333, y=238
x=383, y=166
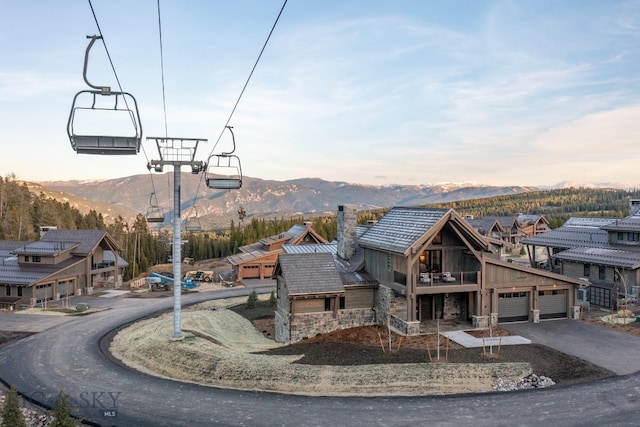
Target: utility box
x=82, y=306
x=535, y=314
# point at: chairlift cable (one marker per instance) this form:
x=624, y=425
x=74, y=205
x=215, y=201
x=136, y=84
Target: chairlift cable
x=264, y=46
x=164, y=99
x=255, y=65
x=113, y=67
x=95, y=18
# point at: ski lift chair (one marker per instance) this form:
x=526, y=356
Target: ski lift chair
x=120, y=108
x=192, y=224
x=155, y=214
x=224, y=171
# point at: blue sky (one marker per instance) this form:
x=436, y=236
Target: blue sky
x=372, y=92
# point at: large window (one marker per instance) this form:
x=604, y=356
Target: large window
x=600, y=296
x=434, y=261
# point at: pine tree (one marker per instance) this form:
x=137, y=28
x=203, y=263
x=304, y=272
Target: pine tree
x=251, y=301
x=62, y=412
x=11, y=412
x=272, y=299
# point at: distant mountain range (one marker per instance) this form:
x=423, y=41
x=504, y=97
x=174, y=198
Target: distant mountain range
x=260, y=198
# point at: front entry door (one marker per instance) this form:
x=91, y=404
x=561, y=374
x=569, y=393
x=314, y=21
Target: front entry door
x=426, y=307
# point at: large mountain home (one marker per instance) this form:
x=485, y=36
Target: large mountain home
x=603, y=252
x=257, y=260
x=415, y=265
x=62, y=263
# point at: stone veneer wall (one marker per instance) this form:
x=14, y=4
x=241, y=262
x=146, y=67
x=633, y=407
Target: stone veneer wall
x=281, y=327
x=311, y=324
x=388, y=303
x=394, y=306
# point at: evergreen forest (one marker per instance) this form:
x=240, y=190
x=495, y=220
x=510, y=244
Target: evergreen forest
x=23, y=213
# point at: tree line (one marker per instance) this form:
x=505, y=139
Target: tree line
x=23, y=213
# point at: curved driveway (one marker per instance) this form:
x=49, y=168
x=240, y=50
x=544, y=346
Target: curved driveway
x=67, y=356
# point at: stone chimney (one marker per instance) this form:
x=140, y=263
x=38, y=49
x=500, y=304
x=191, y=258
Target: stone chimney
x=347, y=238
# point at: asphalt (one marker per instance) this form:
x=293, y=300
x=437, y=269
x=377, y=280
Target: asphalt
x=601, y=346
x=69, y=356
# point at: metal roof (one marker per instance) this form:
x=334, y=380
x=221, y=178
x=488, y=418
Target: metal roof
x=630, y=223
x=593, y=222
x=331, y=248
x=88, y=239
x=570, y=237
x=505, y=221
x=606, y=256
x=26, y=274
x=484, y=225
x=249, y=256
x=400, y=228
x=310, y=273
x=44, y=248
x=9, y=245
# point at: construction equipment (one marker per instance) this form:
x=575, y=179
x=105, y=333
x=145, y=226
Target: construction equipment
x=199, y=275
x=188, y=283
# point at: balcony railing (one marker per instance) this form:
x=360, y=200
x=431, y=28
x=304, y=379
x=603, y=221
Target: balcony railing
x=100, y=265
x=448, y=278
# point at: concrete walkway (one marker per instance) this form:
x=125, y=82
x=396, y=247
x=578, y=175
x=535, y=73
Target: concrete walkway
x=599, y=345
x=469, y=341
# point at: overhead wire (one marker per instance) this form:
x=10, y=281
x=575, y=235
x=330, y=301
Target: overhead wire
x=115, y=73
x=235, y=106
x=164, y=96
x=255, y=65
x=163, y=82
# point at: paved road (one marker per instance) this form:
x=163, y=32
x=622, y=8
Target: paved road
x=604, y=347
x=67, y=356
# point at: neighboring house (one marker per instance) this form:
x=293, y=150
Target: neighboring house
x=62, y=263
x=514, y=229
x=511, y=232
x=257, y=260
x=488, y=227
x=603, y=251
x=532, y=225
x=423, y=264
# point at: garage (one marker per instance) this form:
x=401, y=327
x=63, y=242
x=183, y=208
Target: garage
x=513, y=307
x=65, y=288
x=552, y=304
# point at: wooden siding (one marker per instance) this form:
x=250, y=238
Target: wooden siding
x=315, y=305
x=504, y=277
x=377, y=262
x=359, y=298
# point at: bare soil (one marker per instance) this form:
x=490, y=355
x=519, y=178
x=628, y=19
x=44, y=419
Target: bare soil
x=370, y=345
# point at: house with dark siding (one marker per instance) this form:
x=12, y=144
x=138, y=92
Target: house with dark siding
x=418, y=265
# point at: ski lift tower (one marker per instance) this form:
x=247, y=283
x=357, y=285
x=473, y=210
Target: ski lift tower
x=176, y=152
